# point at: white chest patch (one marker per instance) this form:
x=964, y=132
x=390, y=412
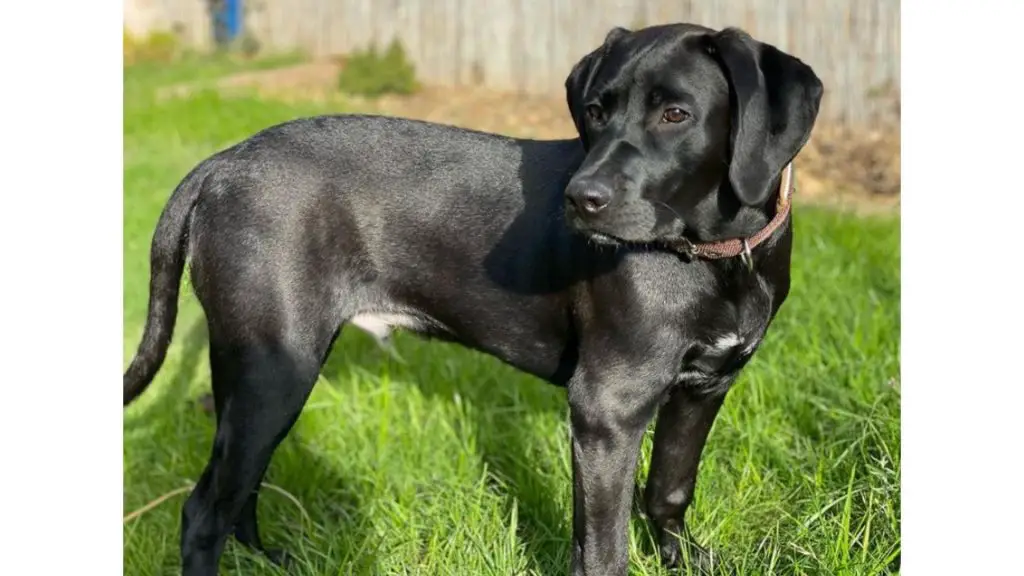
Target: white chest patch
x=714, y=370
x=380, y=325
x=727, y=342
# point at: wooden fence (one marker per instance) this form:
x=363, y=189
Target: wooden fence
x=530, y=45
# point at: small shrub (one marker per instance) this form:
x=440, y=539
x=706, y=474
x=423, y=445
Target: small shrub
x=371, y=74
x=157, y=46
x=249, y=45
x=131, y=47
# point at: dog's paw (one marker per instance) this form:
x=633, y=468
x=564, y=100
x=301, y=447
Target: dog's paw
x=279, y=557
x=685, y=556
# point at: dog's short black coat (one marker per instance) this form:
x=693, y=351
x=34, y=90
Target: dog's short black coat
x=546, y=254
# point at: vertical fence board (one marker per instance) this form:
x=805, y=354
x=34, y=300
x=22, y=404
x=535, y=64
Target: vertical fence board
x=530, y=45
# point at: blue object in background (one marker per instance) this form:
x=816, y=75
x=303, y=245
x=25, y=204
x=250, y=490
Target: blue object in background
x=227, y=21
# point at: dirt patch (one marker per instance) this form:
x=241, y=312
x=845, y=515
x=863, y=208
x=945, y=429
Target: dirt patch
x=855, y=163
x=841, y=166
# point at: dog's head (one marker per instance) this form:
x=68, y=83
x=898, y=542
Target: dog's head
x=686, y=131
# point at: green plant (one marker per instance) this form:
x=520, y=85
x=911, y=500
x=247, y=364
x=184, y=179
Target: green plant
x=158, y=46
x=249, y=45
x=372, y=74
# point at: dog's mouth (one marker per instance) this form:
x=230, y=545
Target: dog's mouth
x=599, y=233
x=578, y=226
x=604, y=239
x=601, y=238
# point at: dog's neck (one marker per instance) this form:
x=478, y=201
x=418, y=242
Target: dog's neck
x=728, y=218
x=721, y=216
x=732, y=237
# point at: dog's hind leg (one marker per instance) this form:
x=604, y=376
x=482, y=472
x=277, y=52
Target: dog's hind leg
x=259, y=388
x=246, y=527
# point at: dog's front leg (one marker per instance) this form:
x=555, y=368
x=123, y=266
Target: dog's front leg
x=608, y=419
x=679, y=437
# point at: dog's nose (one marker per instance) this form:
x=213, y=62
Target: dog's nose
x=589, y=196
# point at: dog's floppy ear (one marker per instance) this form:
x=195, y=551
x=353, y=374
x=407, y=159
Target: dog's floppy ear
x=582, y=75
x=774, y=103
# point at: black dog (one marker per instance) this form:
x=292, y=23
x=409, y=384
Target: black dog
x=591, y=263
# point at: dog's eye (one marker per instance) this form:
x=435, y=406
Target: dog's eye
x=595, y=113
x=675, y=115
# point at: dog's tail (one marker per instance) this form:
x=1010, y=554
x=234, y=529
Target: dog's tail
x=166, y=263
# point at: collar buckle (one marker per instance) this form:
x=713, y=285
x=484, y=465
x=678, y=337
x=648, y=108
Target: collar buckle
x=745, y=256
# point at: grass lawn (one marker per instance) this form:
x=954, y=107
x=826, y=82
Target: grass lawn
x=452, y=463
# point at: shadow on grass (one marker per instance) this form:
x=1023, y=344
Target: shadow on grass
x=337, y=537
x=544, y=526
x=328, y=535
x=186, y=371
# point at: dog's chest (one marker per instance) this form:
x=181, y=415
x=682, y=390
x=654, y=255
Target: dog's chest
x=723, y=331
x=724, y=335
x=712, y=363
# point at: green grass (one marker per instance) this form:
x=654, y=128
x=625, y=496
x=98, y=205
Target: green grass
x=145, y=77
x=452, y=463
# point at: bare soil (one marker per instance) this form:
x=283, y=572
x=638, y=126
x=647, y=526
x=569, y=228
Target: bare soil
x=841, y=166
